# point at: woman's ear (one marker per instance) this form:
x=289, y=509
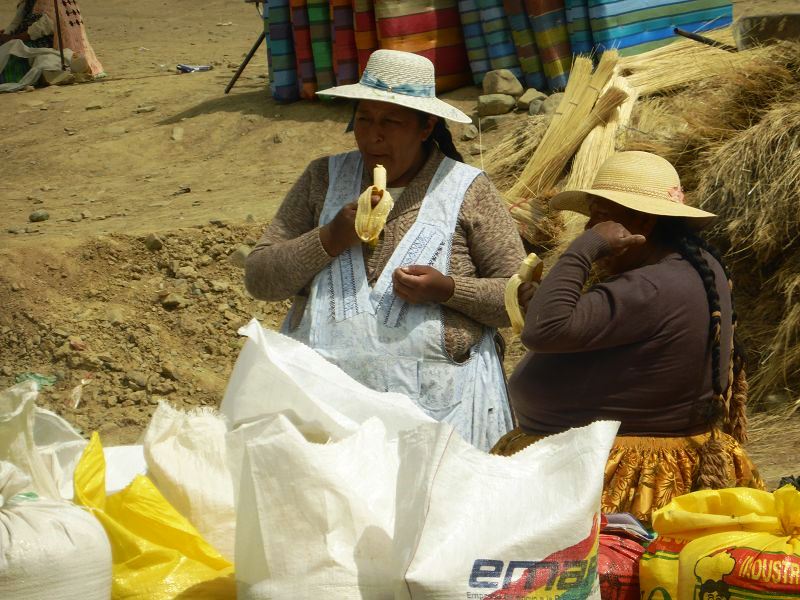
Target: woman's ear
x=427, y=130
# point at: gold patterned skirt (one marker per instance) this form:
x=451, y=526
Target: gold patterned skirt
x=644, y=474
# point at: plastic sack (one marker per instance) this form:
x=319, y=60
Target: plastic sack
x=275, y=373
x=422, y=514
x=736, y=542
x=48, y=548
x=618, y=567
x=157, y=554
x=186, y=459
x=60, y=447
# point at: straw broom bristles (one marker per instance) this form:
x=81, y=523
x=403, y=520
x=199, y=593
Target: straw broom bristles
x=506, y=159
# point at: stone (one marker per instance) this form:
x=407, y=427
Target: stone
x=153, y=242
x=38, y=216
x=177, y=134
x=470, y=133
x=116, y=130
x=531, y=94
x=476, y=149
x=502, y=81
x=277, y=138
x=170, y=371
x=495, y=104
x=204, y=260
x=187, y=272
x=86, y=214
x=136, y=380
x=94, y=106
x=115, y=316
x=238, y=256
x=145, y=109
x=173, y=301
x=219, y=286
x=15, y=287
x=7, y=371
x=535, y=107
x=490, y=123
x=550, y=105
x=76, y=219
x=250, y=218
x=111, y=401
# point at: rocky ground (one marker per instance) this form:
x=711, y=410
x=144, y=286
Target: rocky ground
x=153, y=185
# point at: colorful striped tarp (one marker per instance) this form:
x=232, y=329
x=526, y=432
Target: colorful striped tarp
x=431, y=28
x=280, y=51
x=477, y=52
x=345, y=57
x=319, y=27
x=633, y=26
x=304, y=54
x=549, y=21
x=525, y=43
x=497, y=34
x=578, y=28
x=366, y=31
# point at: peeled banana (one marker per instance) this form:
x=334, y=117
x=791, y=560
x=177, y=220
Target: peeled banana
x=530, y=271
x=370, y=220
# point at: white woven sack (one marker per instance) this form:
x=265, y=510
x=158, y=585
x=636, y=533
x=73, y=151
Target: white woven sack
x=49, y=548
x=60, y=447
x=186, y=460
x=316, y=520
x=275, y=373
x=471, y=524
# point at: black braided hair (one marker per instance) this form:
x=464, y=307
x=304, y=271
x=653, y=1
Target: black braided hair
x=442, y=137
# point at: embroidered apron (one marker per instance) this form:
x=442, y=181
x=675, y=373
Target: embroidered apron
x=390, y=345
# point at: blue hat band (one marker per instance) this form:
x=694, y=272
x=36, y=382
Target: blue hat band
x=407, y=89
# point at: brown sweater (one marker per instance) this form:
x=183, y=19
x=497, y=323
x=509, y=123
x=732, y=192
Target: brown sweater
x=486, y=250
x=634, y=349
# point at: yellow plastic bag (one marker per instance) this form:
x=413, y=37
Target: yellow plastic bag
x=157, y=554
x=736, y=542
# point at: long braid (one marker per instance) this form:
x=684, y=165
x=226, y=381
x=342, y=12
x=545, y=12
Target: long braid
x=443, y=138
x=713, y=463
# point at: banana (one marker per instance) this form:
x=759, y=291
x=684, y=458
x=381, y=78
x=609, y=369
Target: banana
x=530, y=271
x=371, y=220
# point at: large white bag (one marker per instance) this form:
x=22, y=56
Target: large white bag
x=275, y=374
x=419, y=515
x=187, y=461
x=49, y=548
x=316, y=520
x=469, y=523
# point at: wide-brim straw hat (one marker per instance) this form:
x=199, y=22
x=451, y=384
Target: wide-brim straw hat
x=401, y=78
x=640, y=181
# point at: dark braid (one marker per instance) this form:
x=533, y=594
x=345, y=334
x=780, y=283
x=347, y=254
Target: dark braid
x=441, y=137
x=727, y=408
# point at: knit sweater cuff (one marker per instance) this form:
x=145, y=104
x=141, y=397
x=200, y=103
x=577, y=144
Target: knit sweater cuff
x=311, y=253
x=464, y=293
x=590, y=244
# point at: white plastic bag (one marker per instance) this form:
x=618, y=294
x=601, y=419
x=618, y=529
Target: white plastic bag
x=275, y=374
x=186, y=460
x=49, y=548
x=316, y=520
x=470, y=524
x=60, y=447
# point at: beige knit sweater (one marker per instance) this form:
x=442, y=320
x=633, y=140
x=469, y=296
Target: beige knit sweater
x=486, y=251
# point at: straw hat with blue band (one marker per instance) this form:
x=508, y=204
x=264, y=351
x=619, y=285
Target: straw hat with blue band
x=400, y=78
x=640, y=181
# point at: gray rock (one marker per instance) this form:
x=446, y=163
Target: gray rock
x=495, y=104
x=153, y=242
x=187, y=272
x=470, y=133
x=476, y=149
x=76, y=219
x=111, y=401
x=277, y=138
x=86, y=214
x=15, y=287
x=7, y=371
x=38, y=216
x=535, y=107
x=238, y=256
x=177, y=134
x=490, y=123
x=204, y=260
x=145, y=109
x=94, y=106
x=531, y=94
x=219, y=286
x=136, y=380
x=502, y=81
x=170, y=371
x=550, y=105
x=115, y=316
x=250, y=218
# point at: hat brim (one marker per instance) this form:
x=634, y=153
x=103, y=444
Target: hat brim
x=432, y=106
x=578, y=201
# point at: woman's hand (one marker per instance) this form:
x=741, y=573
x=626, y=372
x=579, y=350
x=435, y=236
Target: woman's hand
x=419, y=284
x=617, y=237
x=340, y=234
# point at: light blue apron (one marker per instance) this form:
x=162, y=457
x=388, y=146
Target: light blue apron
x=390, y=345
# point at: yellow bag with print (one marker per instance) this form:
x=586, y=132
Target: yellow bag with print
x=736, y=542
x=156, y=553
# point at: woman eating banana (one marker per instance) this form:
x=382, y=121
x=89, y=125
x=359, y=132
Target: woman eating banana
x=404, y=289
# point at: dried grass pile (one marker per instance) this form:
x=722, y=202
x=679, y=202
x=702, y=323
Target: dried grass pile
x=735, y=139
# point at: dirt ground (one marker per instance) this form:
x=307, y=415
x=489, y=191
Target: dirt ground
x=147, y=151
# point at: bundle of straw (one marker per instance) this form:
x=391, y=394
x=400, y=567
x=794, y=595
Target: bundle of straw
x=506, y=160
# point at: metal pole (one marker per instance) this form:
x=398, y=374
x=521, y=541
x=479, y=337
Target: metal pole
x=246, y=60
x=60, y=39
x=705, y=40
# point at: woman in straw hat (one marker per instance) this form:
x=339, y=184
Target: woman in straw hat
x=417, y=313
x=651, y=346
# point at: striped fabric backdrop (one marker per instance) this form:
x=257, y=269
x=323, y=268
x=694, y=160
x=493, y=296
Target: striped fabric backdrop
x=578, y=28
x=280, y=51
x=319, y=27
x=525, y=43
x=366, y=31
x=477, y=52
x=345, y=56
x=549, y=21
x=304, y=54
x=431, y=28
x=633, y=26
x=497, y=34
